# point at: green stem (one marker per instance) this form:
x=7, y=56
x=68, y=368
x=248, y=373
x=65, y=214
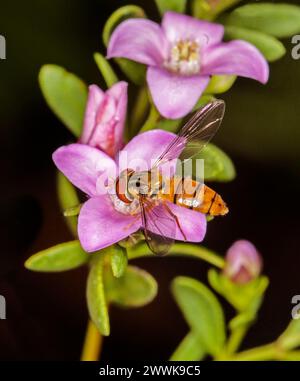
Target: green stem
x=139, y=110
x=180, y=249
x=235, y=339
x=92, y=343
x=265, y=352
x=152, y=120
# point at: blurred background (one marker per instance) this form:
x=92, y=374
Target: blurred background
x=46, y=313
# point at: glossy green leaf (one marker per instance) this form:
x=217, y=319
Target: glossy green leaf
x=73, y=211
x=134, y=289
x=95, y=294
x=210, y=9
x=134, y=71
x=202, y=311
x=217, y=165
x=68, y=198
x=190, y=349
x=270, y=47
x=171, y=5
x=65, y=94
x=219, y=84
x=290, y=338
x=106, y=70
x=62, y=257
x=118, y=260
x=279, y=20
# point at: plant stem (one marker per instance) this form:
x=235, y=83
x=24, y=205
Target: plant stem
x=92, y=343
x=180, y=249
x=265, y=352
x=235, y=339
x=152, y=120
x=139, y=110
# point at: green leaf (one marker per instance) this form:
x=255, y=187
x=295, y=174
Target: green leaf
x=190, y=349
x=106, y=70
x=65, y=94
x=95, y=293
x=217, y=165
x=219, y=84
x=279, y=20
x=290, y=338
x=118, y=259
x=134, y=289
x=202, y=311
x=210, y=9
x=62, y=257
x=134, y=71
x=67, y=197
x=171, y=5
x=270, y=47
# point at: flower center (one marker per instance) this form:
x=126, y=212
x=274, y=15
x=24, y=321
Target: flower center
x=184, y=57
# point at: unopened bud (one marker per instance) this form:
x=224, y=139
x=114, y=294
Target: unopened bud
x=243, y=262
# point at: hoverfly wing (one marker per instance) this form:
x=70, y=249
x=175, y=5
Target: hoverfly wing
x=158, y=225
x=195, y=134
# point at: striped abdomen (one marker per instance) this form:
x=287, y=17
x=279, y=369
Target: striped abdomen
x=191, y=194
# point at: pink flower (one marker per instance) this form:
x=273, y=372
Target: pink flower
x=181, y=54
x=100, y=222
x=104, y=119
x=243, y=262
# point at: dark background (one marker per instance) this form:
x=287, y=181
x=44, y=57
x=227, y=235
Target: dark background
x=46, y=313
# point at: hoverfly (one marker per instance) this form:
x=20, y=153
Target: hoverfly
x=148, y=190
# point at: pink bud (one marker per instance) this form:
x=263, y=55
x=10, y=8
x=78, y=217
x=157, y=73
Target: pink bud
x=243, y=262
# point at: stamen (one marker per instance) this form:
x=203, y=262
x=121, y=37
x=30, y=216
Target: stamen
x=184, y=58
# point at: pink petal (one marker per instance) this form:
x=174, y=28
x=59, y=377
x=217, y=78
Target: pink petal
x=95, y=98
x=181, y=27
x=191, y=222
x=100, y=225
x=119, y=92
x=235, y=57
x=144, y=149
x=105, y=118
x=140, y=40
x=174, y=95
x=83, y=165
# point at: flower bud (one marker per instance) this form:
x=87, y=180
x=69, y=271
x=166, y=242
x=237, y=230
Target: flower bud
x=243, y=262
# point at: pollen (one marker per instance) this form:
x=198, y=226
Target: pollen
x=184, y=57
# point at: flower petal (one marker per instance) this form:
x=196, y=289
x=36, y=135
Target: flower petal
x=144, y=149
x=105, y=118
x=191, y=222
x=182, y=27
x=100, y=225
x=174, y=95
x=139, y=40
x=83, y=165
x=119, y=92
x=235, y=57
x=95, y=98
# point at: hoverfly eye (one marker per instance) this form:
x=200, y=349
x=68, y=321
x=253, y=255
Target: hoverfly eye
x=138, y=184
